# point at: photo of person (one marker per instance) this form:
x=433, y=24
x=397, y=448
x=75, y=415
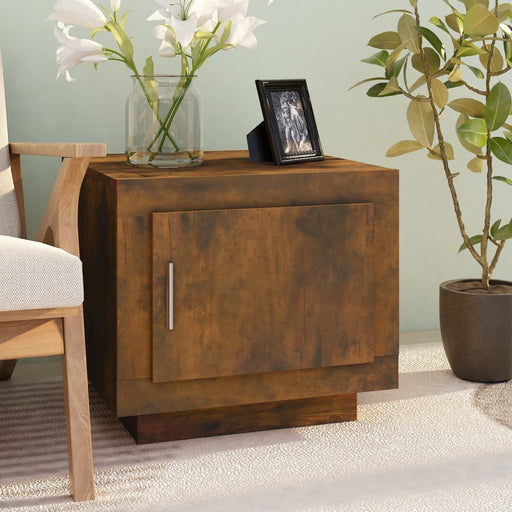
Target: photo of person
x=291, y=121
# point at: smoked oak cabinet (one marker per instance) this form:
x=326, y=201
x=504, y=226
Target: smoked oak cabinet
x=239, y=296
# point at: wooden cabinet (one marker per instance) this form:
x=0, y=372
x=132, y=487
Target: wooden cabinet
x=281, y=302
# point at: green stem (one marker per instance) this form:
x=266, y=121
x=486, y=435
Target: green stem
x=155, y=111
x=169, y=118
x=130, y=64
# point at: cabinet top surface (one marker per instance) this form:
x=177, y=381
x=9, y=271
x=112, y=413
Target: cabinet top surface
x=225, y=163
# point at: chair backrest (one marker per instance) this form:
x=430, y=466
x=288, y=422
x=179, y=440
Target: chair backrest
x=9, y=213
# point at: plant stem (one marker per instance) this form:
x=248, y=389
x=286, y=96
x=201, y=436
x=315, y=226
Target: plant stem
x=132, y=66
x=442, y=148
x=169, y=118
x=486, y=275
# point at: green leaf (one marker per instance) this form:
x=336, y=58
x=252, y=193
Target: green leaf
x=474, y=131
x=497, y=61
x=123, y=41
x=227, y=32
x=495, y=227
x=397, y=67
x=376, y=90
x=416, y=85
x=476, y=71
x=471, y=3
x=455, y=23
x=439, y=24
x=432, y=59
x=440, y=93
x=421, y=122
x=456, y=74
x=379, y=58
x=453, y=85
x=469, y=50
x=474, y=240
x=476, y=165
x=366, y=80
x=501, y=149
x=393, y=57
x=385, y=41
x=465, y=144
x=408, y=34
x=508, y=136
x=122, y=21
x=403, y=147
x=149, y=68
x=498, y=106
x=436, y=43
x=504, y=233
x=391, y=87
x=504, y=12
x=503, y=179
x=479, y=21
x=435, y=153
x=469, y=106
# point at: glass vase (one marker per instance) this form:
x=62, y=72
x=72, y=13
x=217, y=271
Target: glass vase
x=164, y=122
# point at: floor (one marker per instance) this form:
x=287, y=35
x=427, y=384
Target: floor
x=436, y=444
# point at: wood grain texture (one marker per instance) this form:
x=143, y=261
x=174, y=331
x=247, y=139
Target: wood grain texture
x=30, y=333
x=34, y=314
x=143, y=396
x=30, y=338
x=18, y=187
x=97, y=222
x=59, y=225
x=239, y=184
x=119, y=260
x=262, y=290
x=157, y=428
x=63, y=150
x=76, y=395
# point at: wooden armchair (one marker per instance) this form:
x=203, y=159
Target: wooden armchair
x=41, y=286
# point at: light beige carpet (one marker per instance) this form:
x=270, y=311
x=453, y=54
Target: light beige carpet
x=437, y=444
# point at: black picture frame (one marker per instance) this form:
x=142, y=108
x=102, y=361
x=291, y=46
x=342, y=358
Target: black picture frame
x=289, y=121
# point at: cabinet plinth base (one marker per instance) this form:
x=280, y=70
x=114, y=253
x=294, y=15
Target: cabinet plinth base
x=155, y=428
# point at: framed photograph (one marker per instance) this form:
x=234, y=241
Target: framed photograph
x=289, y=121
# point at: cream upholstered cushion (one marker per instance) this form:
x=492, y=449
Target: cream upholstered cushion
x=9, y=213
x=38, y=276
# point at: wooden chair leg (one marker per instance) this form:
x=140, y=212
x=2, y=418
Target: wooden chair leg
x=6, y=369
x=77, y=409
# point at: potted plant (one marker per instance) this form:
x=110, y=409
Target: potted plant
x=460, y=60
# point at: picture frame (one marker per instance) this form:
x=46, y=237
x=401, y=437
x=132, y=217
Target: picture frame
x=289, y=121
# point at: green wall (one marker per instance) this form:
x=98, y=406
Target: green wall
x=320, y=40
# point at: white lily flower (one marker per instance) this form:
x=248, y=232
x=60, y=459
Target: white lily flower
x=115, y=5
x=166, y=11
x=74, y=51
x=242, y=29
x=206, y=10
x=184, y=30
x=82, y=13
x=235, y=9
x=169, y=45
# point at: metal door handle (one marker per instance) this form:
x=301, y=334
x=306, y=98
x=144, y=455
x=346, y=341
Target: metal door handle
x=170, y=298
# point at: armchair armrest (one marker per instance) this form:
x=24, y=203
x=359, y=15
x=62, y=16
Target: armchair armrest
x=59, y=150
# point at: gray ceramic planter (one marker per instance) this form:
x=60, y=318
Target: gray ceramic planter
x=477, y=333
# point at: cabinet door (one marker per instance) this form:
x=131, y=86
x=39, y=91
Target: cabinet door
x=262, y=290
